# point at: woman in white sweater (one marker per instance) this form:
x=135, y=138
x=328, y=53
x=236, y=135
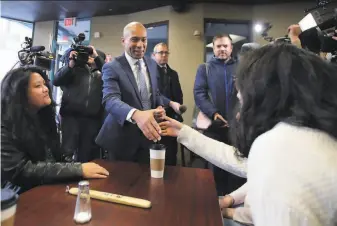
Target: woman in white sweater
x=287, y=130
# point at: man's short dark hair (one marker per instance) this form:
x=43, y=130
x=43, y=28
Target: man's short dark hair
x=221, y=36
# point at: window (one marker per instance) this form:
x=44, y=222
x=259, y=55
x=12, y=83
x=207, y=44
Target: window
x=13, y=34
x=156, y=33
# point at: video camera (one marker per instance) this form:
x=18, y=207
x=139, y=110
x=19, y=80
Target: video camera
x=35, y=55
x=83, y=52
x=318, y=27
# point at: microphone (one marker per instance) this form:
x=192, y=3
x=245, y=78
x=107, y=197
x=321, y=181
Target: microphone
x=182, y=109
x=35, y=49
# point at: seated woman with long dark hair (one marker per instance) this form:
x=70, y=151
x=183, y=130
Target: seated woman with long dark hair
x=287, y=130
x=30, y=145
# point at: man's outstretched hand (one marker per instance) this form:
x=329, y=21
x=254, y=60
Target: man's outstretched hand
x=147, y=124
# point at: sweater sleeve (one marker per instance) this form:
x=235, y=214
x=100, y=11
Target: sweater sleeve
x=218, y=153
x=243, y=215
x=239, y=194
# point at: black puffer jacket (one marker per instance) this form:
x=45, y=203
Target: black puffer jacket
x=20, y=166
x=82, y=89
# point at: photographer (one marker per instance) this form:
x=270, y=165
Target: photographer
x=81, y=108
x=310, y=40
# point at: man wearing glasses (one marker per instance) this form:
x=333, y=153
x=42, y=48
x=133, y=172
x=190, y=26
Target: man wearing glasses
x=169, y=86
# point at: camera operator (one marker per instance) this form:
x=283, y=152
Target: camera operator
x=81, y=108
x=310, y=40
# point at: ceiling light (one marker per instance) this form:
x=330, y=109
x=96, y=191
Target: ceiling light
x=258, y=28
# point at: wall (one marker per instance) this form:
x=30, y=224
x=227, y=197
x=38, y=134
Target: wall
x=111, y=28
x=42, y=32
x=226, y=11
x=280, y=16
x=187, y=51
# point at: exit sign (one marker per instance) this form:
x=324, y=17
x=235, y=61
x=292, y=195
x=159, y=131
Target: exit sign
x=69, y=22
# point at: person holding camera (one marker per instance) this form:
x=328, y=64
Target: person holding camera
x=81, y=109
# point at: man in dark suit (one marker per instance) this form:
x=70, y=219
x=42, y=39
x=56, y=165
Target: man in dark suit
x=131, y=98
x=169, y=86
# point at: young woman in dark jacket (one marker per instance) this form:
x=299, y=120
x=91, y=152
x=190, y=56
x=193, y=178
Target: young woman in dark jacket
x=30, y=145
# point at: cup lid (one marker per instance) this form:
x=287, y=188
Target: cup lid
x=157, y=147
x=8, y=198
x=83, y=183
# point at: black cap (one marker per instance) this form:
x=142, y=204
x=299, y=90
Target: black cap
x=8, y=198
x=157, y=147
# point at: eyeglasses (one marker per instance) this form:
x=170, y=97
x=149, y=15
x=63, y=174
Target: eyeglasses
x=163, y=52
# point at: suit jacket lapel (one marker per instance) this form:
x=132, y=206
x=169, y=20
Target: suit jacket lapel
x=128, y=71
x=152, y=71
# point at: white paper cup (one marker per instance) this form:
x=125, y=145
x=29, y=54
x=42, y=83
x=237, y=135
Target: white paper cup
x=157, y=160
x=8, y=207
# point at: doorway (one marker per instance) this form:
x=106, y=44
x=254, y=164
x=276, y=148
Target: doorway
x=239, y=30
x=156, y=33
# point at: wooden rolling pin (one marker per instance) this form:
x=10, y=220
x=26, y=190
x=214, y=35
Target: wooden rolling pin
x=109, y=197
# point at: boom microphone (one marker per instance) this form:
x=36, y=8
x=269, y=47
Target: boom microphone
x=35, y=49
x=182, y=109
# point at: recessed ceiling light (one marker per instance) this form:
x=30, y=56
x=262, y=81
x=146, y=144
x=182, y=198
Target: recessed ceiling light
x=110, y=9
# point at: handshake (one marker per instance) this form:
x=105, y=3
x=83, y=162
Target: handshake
x=147, y=121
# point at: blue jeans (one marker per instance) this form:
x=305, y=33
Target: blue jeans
x=230, y=222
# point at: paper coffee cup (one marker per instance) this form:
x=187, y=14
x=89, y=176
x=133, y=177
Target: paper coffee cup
x=8, y=207
x=157, y=160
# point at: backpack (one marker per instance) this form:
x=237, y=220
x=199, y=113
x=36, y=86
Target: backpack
x=200, y=120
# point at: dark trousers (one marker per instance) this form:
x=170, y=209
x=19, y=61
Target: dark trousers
x=142, y=154
x=78, y=137
x=225, y=182
x=171, y=145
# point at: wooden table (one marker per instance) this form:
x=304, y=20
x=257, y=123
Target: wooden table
x=185, y=196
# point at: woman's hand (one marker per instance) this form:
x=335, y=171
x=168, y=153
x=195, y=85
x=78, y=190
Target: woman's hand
x=226, y=201
x=170, y=127
x=93, y=170
x=228, y=213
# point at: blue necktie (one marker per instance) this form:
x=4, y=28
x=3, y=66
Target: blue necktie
x=144, y=94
